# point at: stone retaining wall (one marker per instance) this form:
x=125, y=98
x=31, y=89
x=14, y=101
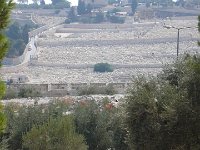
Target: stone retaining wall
x=55, y=90
x=12, y=69
x=107, y=26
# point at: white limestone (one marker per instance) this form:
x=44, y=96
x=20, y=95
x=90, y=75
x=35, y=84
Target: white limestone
x=114, y=47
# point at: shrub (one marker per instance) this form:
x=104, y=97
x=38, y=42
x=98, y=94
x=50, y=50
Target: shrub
x=103, y=67
x=10, y=93
x=116, y=19
x=25, y=93
x=91, y=90
x=67, y=21
x=85, y=19
x=57, y=11
x=56, y=134
x=99, y=17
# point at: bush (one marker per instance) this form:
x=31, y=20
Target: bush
x=25, y=93
x=91, y=90
x=116, y=19
x=10, y=93
x=85, y=20
x=67, y=21
x=57, y=11
x=60, y=132
x=62, y=5
x=99, y=18
x=103, y=67
x=49, y=6
x=30, y=6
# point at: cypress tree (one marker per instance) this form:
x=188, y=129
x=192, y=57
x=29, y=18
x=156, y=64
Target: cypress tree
x=5, y=10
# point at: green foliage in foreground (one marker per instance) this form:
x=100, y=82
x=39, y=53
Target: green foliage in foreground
x=5, y=11
x=163, y=113
x=103, y=67
x=58, y=134
x=101, y=126
x=158, y=113
x=21, y=119
x=2, y=116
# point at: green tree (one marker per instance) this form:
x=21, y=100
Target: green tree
x=199, y=28
x=99, y=17
x=88, y=8
x=18, y=36
x=100, y=125
x=72, y=15
x=163, y=113
x=4, y=17
x=92, y=90
x=16, y=49
x=110, y=2
x=134, y=5
x=21, y=119
x=36, y=1
x=14, y=31
x=25, y=30
x=60, y=4
x=5, y=10
x=58, y=134
x=81, y=8
x=189, y=82
x=42, y=2
x=116, y=19
x=54, y=2
x=28, y=92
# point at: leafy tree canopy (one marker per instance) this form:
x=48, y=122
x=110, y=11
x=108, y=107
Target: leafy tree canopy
x=5, y=10
x=163, y=113
x=134, y=4
x=56, y=134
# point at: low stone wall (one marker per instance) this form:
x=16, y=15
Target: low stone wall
x=55, y=90
x=12, y=69
x=41, y=88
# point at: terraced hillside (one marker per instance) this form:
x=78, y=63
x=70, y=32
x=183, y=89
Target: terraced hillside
x=68, y=53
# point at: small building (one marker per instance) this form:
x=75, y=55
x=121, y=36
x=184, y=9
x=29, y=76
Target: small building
x=18, y=79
